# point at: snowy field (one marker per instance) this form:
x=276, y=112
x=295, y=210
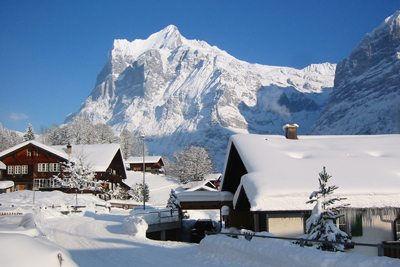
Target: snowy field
x=99, y=237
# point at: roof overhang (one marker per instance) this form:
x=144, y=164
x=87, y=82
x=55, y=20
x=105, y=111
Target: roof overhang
x=204, y=199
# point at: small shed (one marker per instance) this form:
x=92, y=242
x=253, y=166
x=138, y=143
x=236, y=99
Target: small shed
x=6, y=187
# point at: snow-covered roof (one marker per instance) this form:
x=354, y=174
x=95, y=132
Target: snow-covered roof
x=200, y=185
x=37, y=144
x=147, y=159
x=99, y=156
x=282, y=173
x=2, y=166
x=6, y=184
x=201, y=188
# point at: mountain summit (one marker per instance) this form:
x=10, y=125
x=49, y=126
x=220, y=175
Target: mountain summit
x=182, y=92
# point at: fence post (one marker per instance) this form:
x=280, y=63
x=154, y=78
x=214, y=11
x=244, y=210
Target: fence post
x=380, y=250
x=60, y=258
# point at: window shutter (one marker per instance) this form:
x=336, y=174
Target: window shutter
x=357, y=226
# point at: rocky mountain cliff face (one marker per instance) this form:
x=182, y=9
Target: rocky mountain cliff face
x=183, y=92
x=366, y=95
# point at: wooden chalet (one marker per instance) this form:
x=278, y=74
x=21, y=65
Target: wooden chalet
x=33, y=165
x=153, y=164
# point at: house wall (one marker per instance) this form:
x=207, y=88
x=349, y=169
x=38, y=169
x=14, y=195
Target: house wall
x=286, y=227
x=149, y=167
x=373, y=233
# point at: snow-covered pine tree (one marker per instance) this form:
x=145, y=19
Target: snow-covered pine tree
x=173, y=201
x=136, y=192
x=117, y=193
x=29, y=134
x=79, y=175
x=322, y=223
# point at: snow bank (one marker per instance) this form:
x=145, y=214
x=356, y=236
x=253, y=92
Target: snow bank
x=260, y=251
x=136, y=226
x=26, y=226
x=20, y=234
x=32, y=252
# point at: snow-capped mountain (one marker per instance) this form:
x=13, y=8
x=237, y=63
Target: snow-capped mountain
x=182, y=92
x=366, y=97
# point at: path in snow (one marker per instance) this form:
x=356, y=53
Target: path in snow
x=100, y=240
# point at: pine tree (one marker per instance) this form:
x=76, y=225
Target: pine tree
x=117, y=193
x=30, y=133
x=322, y=223
x=79, y=175
x=173, y=201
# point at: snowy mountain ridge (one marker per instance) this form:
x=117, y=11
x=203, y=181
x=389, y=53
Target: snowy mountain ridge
x=182, y=92
x=366, y=96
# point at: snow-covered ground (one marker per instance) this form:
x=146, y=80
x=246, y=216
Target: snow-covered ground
x=99, y=237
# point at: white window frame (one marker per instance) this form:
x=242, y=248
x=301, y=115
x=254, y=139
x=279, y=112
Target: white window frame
x=10, y=169
x=17, y=169
x=54, y=167
x=43, y=167
x=29, y=153
x=24, y=169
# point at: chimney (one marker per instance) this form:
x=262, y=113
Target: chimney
x=69, y=148
x=291, y=131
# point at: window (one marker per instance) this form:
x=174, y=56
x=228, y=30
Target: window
x=54, y=167
x=29, y=153
x=17, y=169
x=24, y=169
x=43, y=167
x=10, y=170
x=37, y=153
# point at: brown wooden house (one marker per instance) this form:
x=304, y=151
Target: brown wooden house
x=30, y=160
x=153, y=164
x=33, y=165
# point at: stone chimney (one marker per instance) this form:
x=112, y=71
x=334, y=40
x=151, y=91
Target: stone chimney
x=291, y=131
x=69, y=148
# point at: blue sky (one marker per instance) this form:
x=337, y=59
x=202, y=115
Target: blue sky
x=51, y=50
